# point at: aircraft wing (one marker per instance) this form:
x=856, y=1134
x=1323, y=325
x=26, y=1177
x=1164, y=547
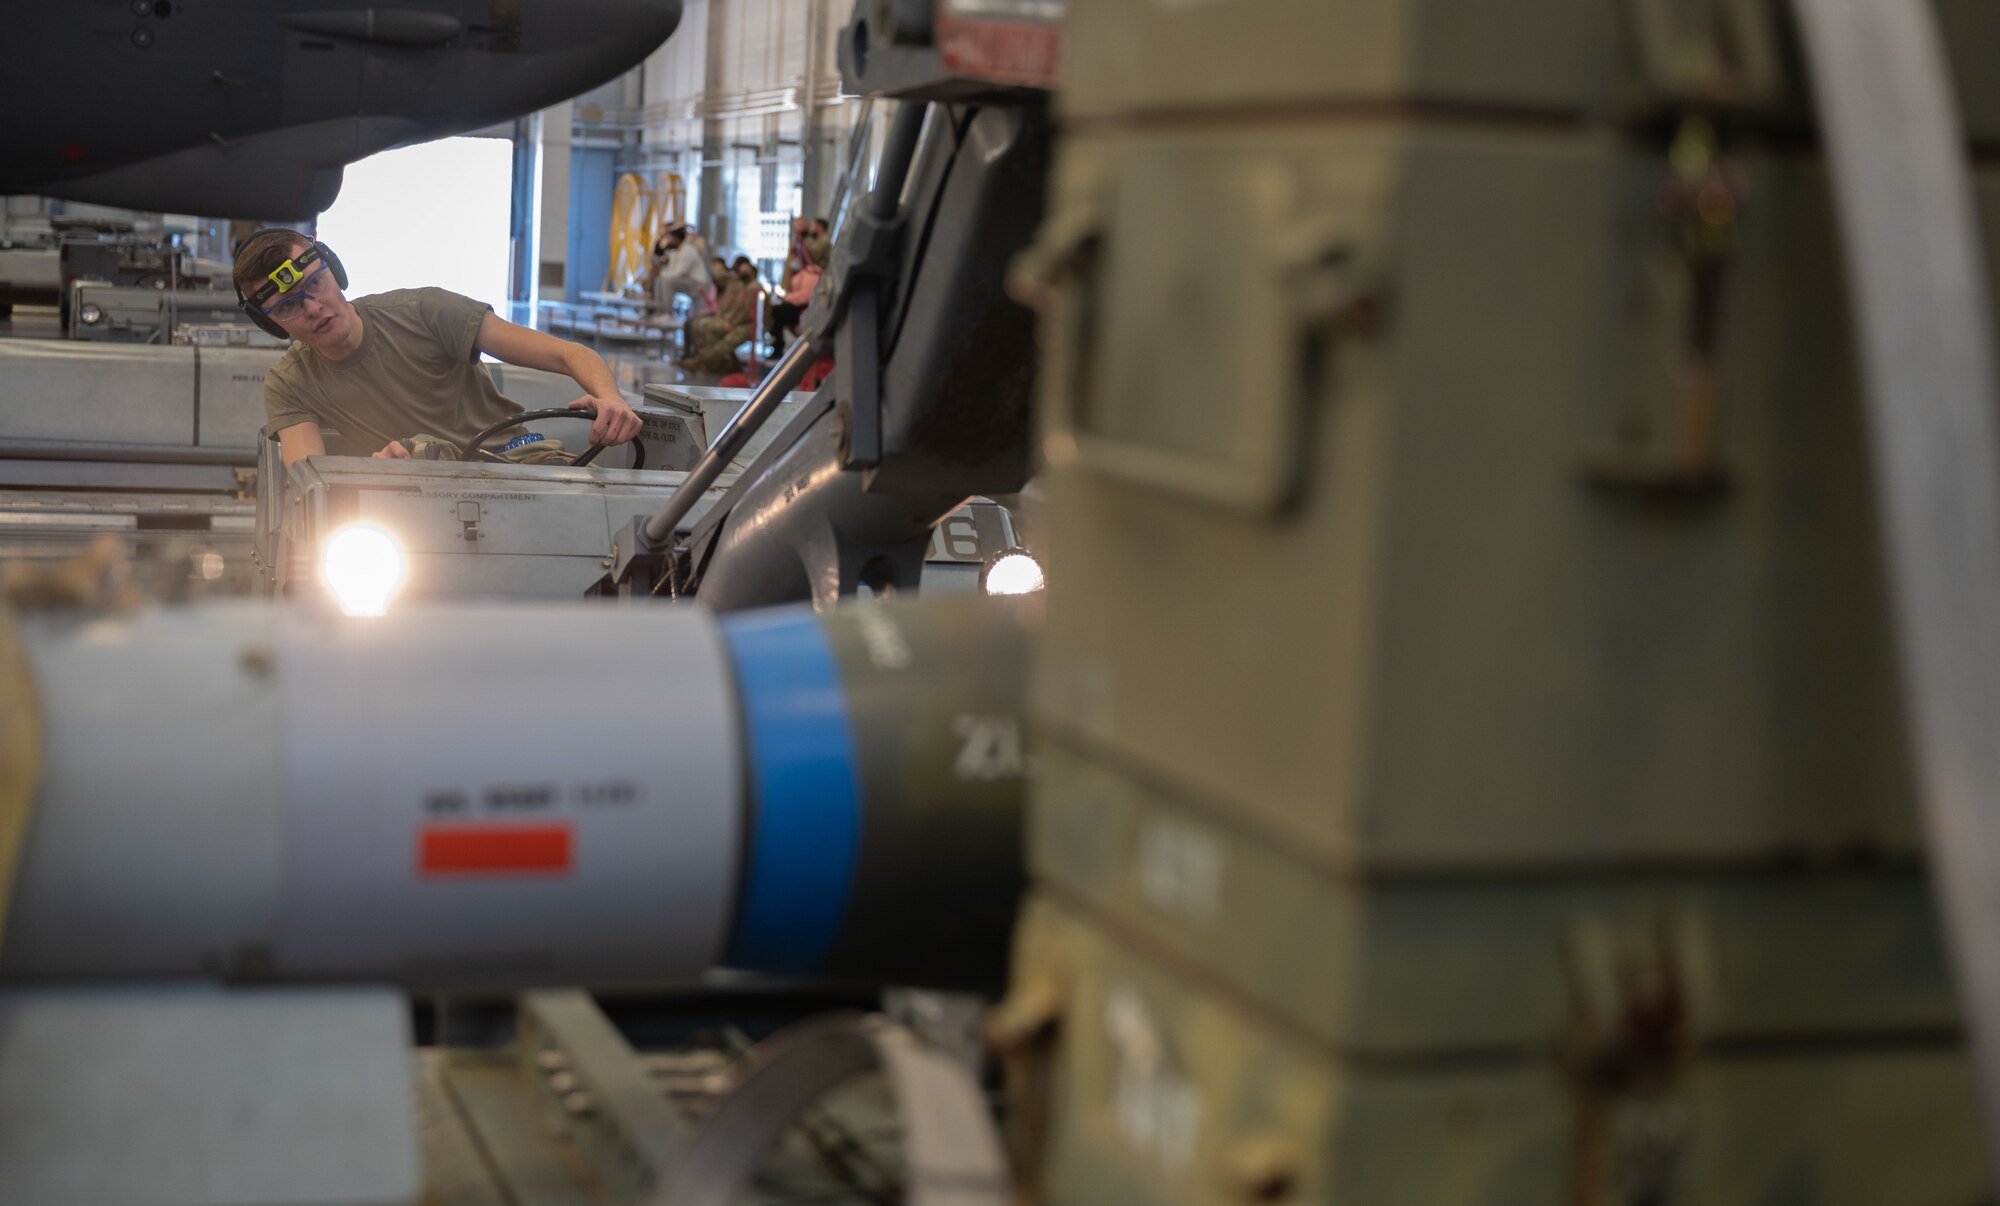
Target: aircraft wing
x=247, y=108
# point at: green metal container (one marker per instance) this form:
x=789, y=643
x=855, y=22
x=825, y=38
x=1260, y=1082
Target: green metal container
x=1471, y=764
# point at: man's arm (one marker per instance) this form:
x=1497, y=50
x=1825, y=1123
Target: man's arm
x=528, y=348
x=299, y=441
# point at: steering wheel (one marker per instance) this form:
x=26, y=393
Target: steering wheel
x=475, y=449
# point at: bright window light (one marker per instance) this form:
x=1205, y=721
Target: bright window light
x=432, y=214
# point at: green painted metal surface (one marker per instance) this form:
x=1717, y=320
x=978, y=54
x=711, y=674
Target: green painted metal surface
x=1471, y=768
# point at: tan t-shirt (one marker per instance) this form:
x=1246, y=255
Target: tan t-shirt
x=417, y=372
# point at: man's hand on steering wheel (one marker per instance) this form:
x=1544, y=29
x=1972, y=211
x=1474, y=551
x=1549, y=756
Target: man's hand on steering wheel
x=615, y=423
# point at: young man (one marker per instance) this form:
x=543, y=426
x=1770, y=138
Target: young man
x=381, y=369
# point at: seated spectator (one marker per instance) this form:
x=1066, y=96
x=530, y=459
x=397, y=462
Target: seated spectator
x=713, y=339
x=803, y=267
x=679, y=269
x=745, y=270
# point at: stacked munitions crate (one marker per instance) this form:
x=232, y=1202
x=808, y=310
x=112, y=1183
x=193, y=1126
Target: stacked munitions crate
x=1471, y=762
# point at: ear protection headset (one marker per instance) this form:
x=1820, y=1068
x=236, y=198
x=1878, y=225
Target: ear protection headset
x=282, y=279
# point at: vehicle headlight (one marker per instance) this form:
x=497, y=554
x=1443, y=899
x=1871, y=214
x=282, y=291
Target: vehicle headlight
x=363, y=567
x=91, y=314
x=1011, y=572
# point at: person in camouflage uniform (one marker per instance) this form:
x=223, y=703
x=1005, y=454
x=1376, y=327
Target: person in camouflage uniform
x=714, y=338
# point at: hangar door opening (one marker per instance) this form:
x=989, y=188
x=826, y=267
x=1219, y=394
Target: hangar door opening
x=431, y=214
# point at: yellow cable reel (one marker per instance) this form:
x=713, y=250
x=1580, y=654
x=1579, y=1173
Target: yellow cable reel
x=669, y=203
x=631, y=234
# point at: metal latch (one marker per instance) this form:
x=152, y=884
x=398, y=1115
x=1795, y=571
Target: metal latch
x=1637, y=1001
x=1309, y=288
x=1712, y=54
x=1672, y=443
x=468, y=514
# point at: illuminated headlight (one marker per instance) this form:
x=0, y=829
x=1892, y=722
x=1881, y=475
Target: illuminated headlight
x=363, y=567
x=91, y=314
x=1011, y=572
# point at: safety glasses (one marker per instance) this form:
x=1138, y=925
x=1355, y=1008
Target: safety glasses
x=314, y=284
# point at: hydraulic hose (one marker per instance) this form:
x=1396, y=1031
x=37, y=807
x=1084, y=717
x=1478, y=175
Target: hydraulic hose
x=473, y=448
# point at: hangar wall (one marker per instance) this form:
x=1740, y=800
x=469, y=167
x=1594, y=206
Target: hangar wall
x=742, y=104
